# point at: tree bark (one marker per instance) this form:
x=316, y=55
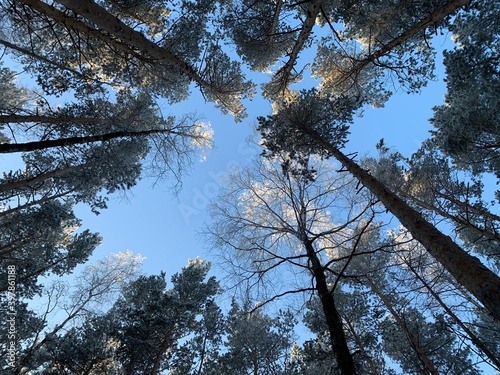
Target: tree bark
x=283, y=74
x=467, y=270
x=41, y=145
x=335, y=326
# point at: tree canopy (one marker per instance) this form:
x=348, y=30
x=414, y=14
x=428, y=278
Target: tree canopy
x=390, y=262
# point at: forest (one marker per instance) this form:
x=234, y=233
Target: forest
x=323, y=261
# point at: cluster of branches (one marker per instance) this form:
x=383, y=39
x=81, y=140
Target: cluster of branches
x=376, y=295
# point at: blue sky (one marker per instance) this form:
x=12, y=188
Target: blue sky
x=163, y=228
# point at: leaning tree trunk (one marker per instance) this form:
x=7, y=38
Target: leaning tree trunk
x=472, y=336
x=422, y=355
x=283, y=74
x=467, y=270
x=335, y=326
x=432, y=19
x=70, y=141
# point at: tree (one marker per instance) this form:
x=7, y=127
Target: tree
x=429, y=182
x=40, y=241
x=379, y=42
x=13, y=98
x=78, y=151
x=439, y=286
x=387, y=316
x=259, y=31
x=316, y=135
x=198, y=352
x=23, y=321
x=107, y=43
x=361, y=332
x=94, y=118
x=149, y=321
x=274, y=221
x=405, y=319
x=81, y=350
x=256, y=343
x=466, y=125
x=63, y=306
x=96, y=122
x=283, y=77
x=143, y=331
x=288, y=227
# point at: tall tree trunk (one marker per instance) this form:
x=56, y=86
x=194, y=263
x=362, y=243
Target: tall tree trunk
x=475, y=340
x=467, y=270
x=335, y=326
x=40, y=145
x=114, y=26
x=422, y=356
x=283, y=74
